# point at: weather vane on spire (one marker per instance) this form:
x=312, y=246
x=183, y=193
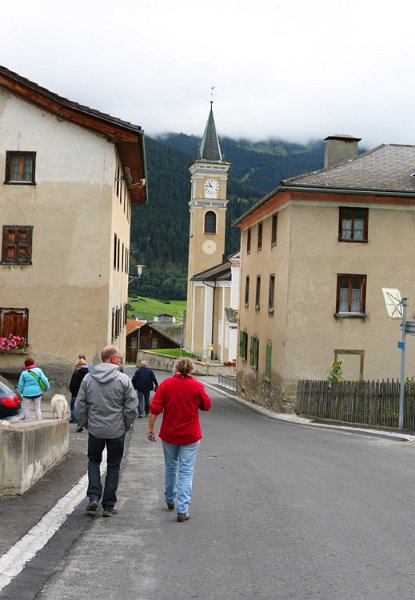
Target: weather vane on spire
x=211, y=93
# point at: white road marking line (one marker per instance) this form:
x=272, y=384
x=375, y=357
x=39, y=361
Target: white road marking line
x=13, y=561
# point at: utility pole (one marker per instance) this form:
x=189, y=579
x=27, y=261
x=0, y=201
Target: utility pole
x=402, y=346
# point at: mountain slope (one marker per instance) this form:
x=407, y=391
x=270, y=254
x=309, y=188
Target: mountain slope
x=159, y=231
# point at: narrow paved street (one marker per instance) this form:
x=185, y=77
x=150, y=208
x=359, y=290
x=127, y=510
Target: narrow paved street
x=280, y=511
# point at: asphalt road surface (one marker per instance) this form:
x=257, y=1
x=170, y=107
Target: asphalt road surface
x=280, y=511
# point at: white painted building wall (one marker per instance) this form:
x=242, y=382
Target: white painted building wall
x=71, y=286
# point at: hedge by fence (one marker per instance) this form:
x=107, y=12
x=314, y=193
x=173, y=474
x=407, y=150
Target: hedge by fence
x=362, y=402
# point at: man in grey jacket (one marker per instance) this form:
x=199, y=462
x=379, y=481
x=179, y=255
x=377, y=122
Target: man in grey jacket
x=106, y=404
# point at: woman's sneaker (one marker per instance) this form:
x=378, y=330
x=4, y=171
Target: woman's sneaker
x=181, y=517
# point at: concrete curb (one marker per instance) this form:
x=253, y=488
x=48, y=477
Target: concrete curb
x=295, y=419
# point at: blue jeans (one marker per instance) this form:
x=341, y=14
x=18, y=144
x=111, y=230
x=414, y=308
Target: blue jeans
x=143, y=402
x=179, y=462
x=115, y=451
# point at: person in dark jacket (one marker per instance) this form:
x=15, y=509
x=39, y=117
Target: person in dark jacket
x=77, y=376
x=144, y=380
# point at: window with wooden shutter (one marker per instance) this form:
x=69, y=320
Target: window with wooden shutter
x=248, y=241
x=117, y=321
x=274, y=229
x=243, y=345
x=115, y=251
x=14, y=321
x=258, y=293
x=254, y=352
x=247, y=290
x=271, y=294
x=259, y=236
x=17, y=245
x=353, y=224
x=113, y=325
x=351, y=295
x=20, y=167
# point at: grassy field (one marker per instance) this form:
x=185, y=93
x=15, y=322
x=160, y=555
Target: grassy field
x=146, y=308
x=174, y=352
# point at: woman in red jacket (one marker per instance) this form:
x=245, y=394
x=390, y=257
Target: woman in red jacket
x=179, y=398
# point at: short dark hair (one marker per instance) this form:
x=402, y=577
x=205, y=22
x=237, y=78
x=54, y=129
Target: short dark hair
x=29, y=361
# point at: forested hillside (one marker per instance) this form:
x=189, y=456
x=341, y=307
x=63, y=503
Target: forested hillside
x=159, y=232
x=260, y=165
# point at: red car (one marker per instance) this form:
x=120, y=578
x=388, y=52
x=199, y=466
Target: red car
x=10, y=402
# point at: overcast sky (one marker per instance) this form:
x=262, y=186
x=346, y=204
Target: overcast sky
x=297, y=70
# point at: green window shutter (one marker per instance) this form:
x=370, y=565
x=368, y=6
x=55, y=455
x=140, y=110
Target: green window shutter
x=251, y=352
x=268, y=362
x=256, y=353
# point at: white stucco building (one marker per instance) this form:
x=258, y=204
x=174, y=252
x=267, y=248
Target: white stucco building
x=70, y=175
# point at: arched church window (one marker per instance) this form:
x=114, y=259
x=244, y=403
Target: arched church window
x=210, y=222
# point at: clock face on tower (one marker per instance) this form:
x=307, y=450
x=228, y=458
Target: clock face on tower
x=209, y=247
x=211, y=188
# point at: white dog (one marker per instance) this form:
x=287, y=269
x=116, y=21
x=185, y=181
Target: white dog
x=59, y=406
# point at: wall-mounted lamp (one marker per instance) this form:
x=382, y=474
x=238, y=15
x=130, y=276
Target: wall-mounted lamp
x=129, y=180
x=139, y=273
x=139, y=184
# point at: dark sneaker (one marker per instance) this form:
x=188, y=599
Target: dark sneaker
x=79, y=428
x=92, y=506
x=170, y=505
x=109, y=512
x=181, y=517
x=140, y=416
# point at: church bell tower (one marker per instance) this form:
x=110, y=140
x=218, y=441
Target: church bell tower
x=207, y=205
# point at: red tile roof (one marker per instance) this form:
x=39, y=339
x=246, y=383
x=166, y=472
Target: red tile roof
x=132, y=324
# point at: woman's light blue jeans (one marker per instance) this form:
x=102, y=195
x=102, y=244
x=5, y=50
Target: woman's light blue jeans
x=179, y=462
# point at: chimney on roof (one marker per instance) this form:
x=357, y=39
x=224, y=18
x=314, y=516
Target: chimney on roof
x=339, y=147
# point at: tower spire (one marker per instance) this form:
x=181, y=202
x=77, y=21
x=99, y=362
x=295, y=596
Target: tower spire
x=210, y=148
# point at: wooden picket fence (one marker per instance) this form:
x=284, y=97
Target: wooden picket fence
x=373, y=403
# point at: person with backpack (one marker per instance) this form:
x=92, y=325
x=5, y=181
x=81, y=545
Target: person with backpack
x=32, y=383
